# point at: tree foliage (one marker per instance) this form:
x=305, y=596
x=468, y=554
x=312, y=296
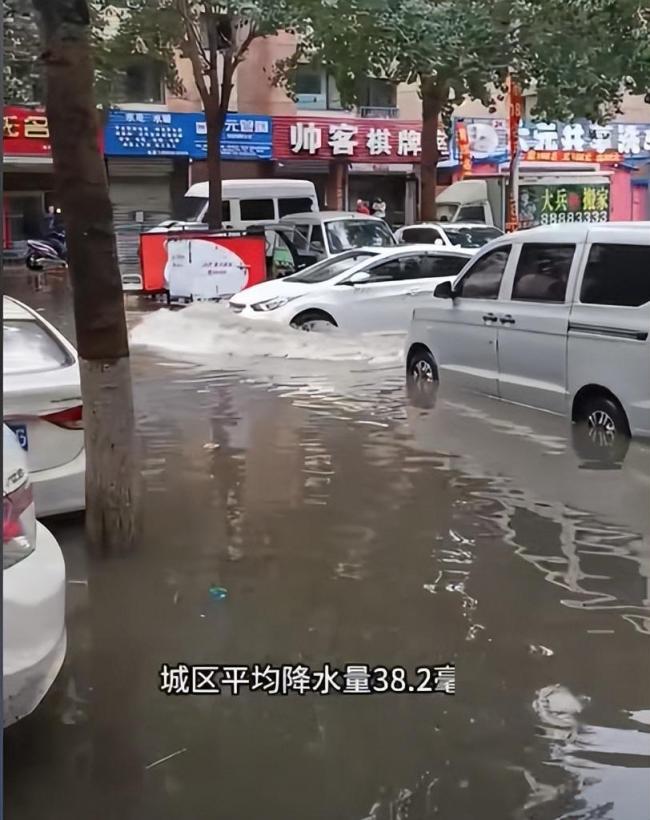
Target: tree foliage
x=581, y=56
x=215, y=37
x=22, y=72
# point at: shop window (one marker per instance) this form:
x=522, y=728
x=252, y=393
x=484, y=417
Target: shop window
x=252, y=210
x=140, y=81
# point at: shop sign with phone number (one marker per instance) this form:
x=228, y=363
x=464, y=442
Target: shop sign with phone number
x=551, y=204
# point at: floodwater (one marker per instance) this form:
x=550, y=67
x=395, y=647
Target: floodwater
x=288, y=474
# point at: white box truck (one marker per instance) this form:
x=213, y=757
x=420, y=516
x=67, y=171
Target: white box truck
x=545, y=197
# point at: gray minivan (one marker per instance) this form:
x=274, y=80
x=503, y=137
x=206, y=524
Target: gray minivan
x=556, y=317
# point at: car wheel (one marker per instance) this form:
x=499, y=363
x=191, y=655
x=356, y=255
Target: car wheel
x=313, y=320
x=422, y=379
x=602, y=432
x=33, y=263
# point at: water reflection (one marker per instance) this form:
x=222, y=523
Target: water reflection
x=348, y=527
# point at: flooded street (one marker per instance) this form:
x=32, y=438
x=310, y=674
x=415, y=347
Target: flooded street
x=344, y=526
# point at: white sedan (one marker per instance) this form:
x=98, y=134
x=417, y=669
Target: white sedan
x=33, y=594
x=42, y=405
x=364, y=289
x=468, y=235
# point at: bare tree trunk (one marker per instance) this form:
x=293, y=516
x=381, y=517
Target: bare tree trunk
x=431, y=107
x=214, y=127
x=98, y=299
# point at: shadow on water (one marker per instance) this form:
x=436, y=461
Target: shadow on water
x=347, y=526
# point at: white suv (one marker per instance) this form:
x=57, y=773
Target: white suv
x=556, y=318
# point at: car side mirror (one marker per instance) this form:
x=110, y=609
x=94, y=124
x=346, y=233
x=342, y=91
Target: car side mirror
x=444, y=291
x=357, y=278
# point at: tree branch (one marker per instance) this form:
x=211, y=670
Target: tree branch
x=193, y=50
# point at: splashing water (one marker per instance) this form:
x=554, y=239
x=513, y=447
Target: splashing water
x=210, y=330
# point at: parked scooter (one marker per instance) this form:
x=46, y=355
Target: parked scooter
x=50, y=252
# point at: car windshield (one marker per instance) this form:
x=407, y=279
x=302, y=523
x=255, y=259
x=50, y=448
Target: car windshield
x=29, y=348
x=471, y=237
x=343, y=234
x=329, y=268
x=192, y=208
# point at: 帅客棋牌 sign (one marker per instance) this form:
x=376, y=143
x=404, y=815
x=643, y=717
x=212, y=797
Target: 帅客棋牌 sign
x=357, y=140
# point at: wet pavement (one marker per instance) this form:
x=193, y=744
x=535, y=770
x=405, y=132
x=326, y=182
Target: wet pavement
x=346, y=527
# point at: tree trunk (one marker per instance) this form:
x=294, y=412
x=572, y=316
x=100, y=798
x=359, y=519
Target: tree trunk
x=432, y=102
x=214, y=127
x=98, y=300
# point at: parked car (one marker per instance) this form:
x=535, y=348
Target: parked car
x=467, y=235
x=33, y=595
x=361, y=289
x=42, y=405
x=556, y=317
x=332, y=232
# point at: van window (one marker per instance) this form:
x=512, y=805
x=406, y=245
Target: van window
x=251, y=210
x=317, y=237
x=429, y=266
x=471, y=213
x=294, y=205
x=617, y=275
x=543, y=272
x=483, y=279
x=193, y=207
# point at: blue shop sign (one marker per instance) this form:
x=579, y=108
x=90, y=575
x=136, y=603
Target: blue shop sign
x=488, y=138
x=162, y=134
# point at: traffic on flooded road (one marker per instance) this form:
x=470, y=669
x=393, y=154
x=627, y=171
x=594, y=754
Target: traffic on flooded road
x=302, y=512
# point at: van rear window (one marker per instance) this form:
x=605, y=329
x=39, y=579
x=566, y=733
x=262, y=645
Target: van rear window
x=617, y=275
x=294, y=205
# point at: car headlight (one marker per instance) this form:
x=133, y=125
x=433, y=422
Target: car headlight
x=272, y=304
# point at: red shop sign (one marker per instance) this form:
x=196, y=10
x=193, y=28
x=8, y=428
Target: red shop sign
x=355, y=140
x=25, y=131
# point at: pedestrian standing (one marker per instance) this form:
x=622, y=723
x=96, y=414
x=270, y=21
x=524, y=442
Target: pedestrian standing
x=379, y=207
x=362, y=208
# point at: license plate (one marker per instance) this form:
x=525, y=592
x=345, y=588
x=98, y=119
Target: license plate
x=21, y=434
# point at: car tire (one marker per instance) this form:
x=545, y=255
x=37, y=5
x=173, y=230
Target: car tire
x=422, y=379
x=311, y=319
x=601, y=432
x=32, y=262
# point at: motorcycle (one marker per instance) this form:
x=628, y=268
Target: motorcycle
x=50, y=252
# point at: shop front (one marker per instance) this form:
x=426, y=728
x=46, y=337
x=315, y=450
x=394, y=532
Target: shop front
x=28, y=188
x=153, y=156
x=354, y=158
x=595, y=168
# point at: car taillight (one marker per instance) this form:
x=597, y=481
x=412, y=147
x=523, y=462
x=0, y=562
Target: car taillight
x=18, y=526
x=71, y=419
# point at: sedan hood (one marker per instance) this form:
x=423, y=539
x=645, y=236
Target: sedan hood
x=272, y=290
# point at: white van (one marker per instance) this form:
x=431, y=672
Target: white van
x=253, y=201
x=555, y=317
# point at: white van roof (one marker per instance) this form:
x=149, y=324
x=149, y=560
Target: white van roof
x=581, y=231
x=234, y=188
